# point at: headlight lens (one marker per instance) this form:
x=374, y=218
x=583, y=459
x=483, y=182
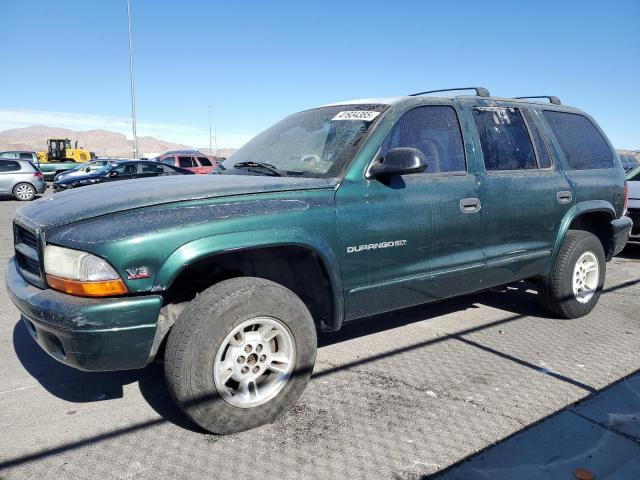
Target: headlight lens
x=80, y=273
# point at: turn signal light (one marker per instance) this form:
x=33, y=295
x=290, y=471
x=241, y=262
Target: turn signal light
x=107, y=288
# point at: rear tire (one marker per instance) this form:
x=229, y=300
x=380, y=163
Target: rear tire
x=24, y=192
x=221, y=367
x=573, y=287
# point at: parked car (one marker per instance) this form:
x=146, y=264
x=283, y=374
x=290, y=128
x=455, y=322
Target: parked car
x=21, y=179
x=85, y=168
x=629, y=162
x=192, y=160
x=633, y=208
x=119, y=170
x=333, y=214
x=21, y=155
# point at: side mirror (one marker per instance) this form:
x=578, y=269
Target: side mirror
x=113, y=174
x=399, y=161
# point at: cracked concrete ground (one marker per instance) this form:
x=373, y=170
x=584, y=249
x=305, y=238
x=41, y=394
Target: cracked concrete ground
x=404, y=395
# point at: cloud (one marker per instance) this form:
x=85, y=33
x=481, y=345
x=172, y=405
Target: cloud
x=175, y=133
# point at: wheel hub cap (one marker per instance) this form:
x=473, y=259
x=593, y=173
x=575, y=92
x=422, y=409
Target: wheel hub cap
x=586, y=275
x=254, y=362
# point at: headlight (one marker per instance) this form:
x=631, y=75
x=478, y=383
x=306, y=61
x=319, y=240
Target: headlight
x=80, y=273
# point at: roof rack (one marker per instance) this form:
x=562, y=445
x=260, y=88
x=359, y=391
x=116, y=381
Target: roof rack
x=480, y=91
x=551, y=98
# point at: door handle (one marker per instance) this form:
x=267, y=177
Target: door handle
x=470, y=205
x=564, y=197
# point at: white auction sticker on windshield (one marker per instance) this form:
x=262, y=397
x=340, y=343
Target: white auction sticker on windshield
x=366, y=115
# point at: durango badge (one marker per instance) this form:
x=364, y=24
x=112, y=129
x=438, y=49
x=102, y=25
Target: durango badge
x=137, y=273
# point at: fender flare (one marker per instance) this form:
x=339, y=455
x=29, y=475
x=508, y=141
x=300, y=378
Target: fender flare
x=205, y=247
x=574, y=212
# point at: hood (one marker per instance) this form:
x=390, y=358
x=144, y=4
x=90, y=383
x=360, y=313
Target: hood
x=102, y=199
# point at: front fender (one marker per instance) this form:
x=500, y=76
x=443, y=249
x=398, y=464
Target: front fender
x=573, y=213
x=196, y=250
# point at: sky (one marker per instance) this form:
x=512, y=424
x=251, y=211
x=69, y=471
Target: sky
x=65, y=62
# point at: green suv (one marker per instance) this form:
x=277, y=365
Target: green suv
x=333, y=214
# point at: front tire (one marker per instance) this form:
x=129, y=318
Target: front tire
x=24, y=192
x=240, y=354
x=573, y=287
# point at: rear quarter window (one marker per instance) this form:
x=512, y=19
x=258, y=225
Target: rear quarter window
x=204, y=162
x=583, y=145
x=9, y=166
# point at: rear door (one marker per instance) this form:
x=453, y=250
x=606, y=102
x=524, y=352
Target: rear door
x=205, y=165
x=8, y=175
x=150, y=169
x=524, y=194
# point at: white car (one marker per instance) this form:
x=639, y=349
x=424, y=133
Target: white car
x=633, y=208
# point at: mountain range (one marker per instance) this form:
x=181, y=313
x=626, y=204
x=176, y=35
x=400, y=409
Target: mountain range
x=102, y=142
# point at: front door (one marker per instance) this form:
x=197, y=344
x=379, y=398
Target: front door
x=412, y=238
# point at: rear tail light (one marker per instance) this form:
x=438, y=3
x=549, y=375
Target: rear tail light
x=626, y=197
x=37, y=174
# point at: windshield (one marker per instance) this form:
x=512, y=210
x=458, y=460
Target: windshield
x=104, y=169
x=314, y=143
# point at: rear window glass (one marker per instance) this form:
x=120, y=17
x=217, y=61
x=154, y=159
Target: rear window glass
x=504, y=139
x=9, y=166
x=581, y=142
x=204, y=161
x=185, y=162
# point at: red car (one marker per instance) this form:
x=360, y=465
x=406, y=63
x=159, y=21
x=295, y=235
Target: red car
x=192, y=160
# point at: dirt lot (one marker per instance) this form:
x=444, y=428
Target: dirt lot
x=397, y=396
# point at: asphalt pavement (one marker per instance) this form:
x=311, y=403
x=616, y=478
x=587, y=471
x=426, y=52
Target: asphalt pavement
x=453, y=388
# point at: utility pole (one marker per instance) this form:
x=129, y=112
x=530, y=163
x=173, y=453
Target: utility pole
x=133, y=86
x=215, y=133
x=210, y=147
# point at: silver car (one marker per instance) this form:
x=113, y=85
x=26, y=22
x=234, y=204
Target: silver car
x=633, y=207
x=21, y=179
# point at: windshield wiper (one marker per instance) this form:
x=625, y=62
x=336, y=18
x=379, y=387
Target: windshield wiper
x=266, y=166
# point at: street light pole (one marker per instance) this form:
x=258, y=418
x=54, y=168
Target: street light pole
x=133, y=86
x=210, y=147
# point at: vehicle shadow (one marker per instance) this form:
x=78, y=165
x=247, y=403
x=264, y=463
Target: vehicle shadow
x=79, y=387
x=631, y=252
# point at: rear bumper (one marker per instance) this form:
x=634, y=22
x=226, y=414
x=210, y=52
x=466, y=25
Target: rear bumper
x=620, y=231
x=86, y=333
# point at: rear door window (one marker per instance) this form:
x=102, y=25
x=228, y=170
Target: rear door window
x=504, y=139
x=9, y=166
x=185, y=162
x=152, y=168
x=583, y=145
x=435, y=131
x=204, y=162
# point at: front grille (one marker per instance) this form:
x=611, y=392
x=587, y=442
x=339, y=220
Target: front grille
x=28, y=255
x=634, y=215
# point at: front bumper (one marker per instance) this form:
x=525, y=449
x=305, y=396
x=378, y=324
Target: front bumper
x=86, y=333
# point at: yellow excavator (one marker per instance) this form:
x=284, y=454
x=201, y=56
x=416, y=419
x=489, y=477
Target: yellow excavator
x=60, y=157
